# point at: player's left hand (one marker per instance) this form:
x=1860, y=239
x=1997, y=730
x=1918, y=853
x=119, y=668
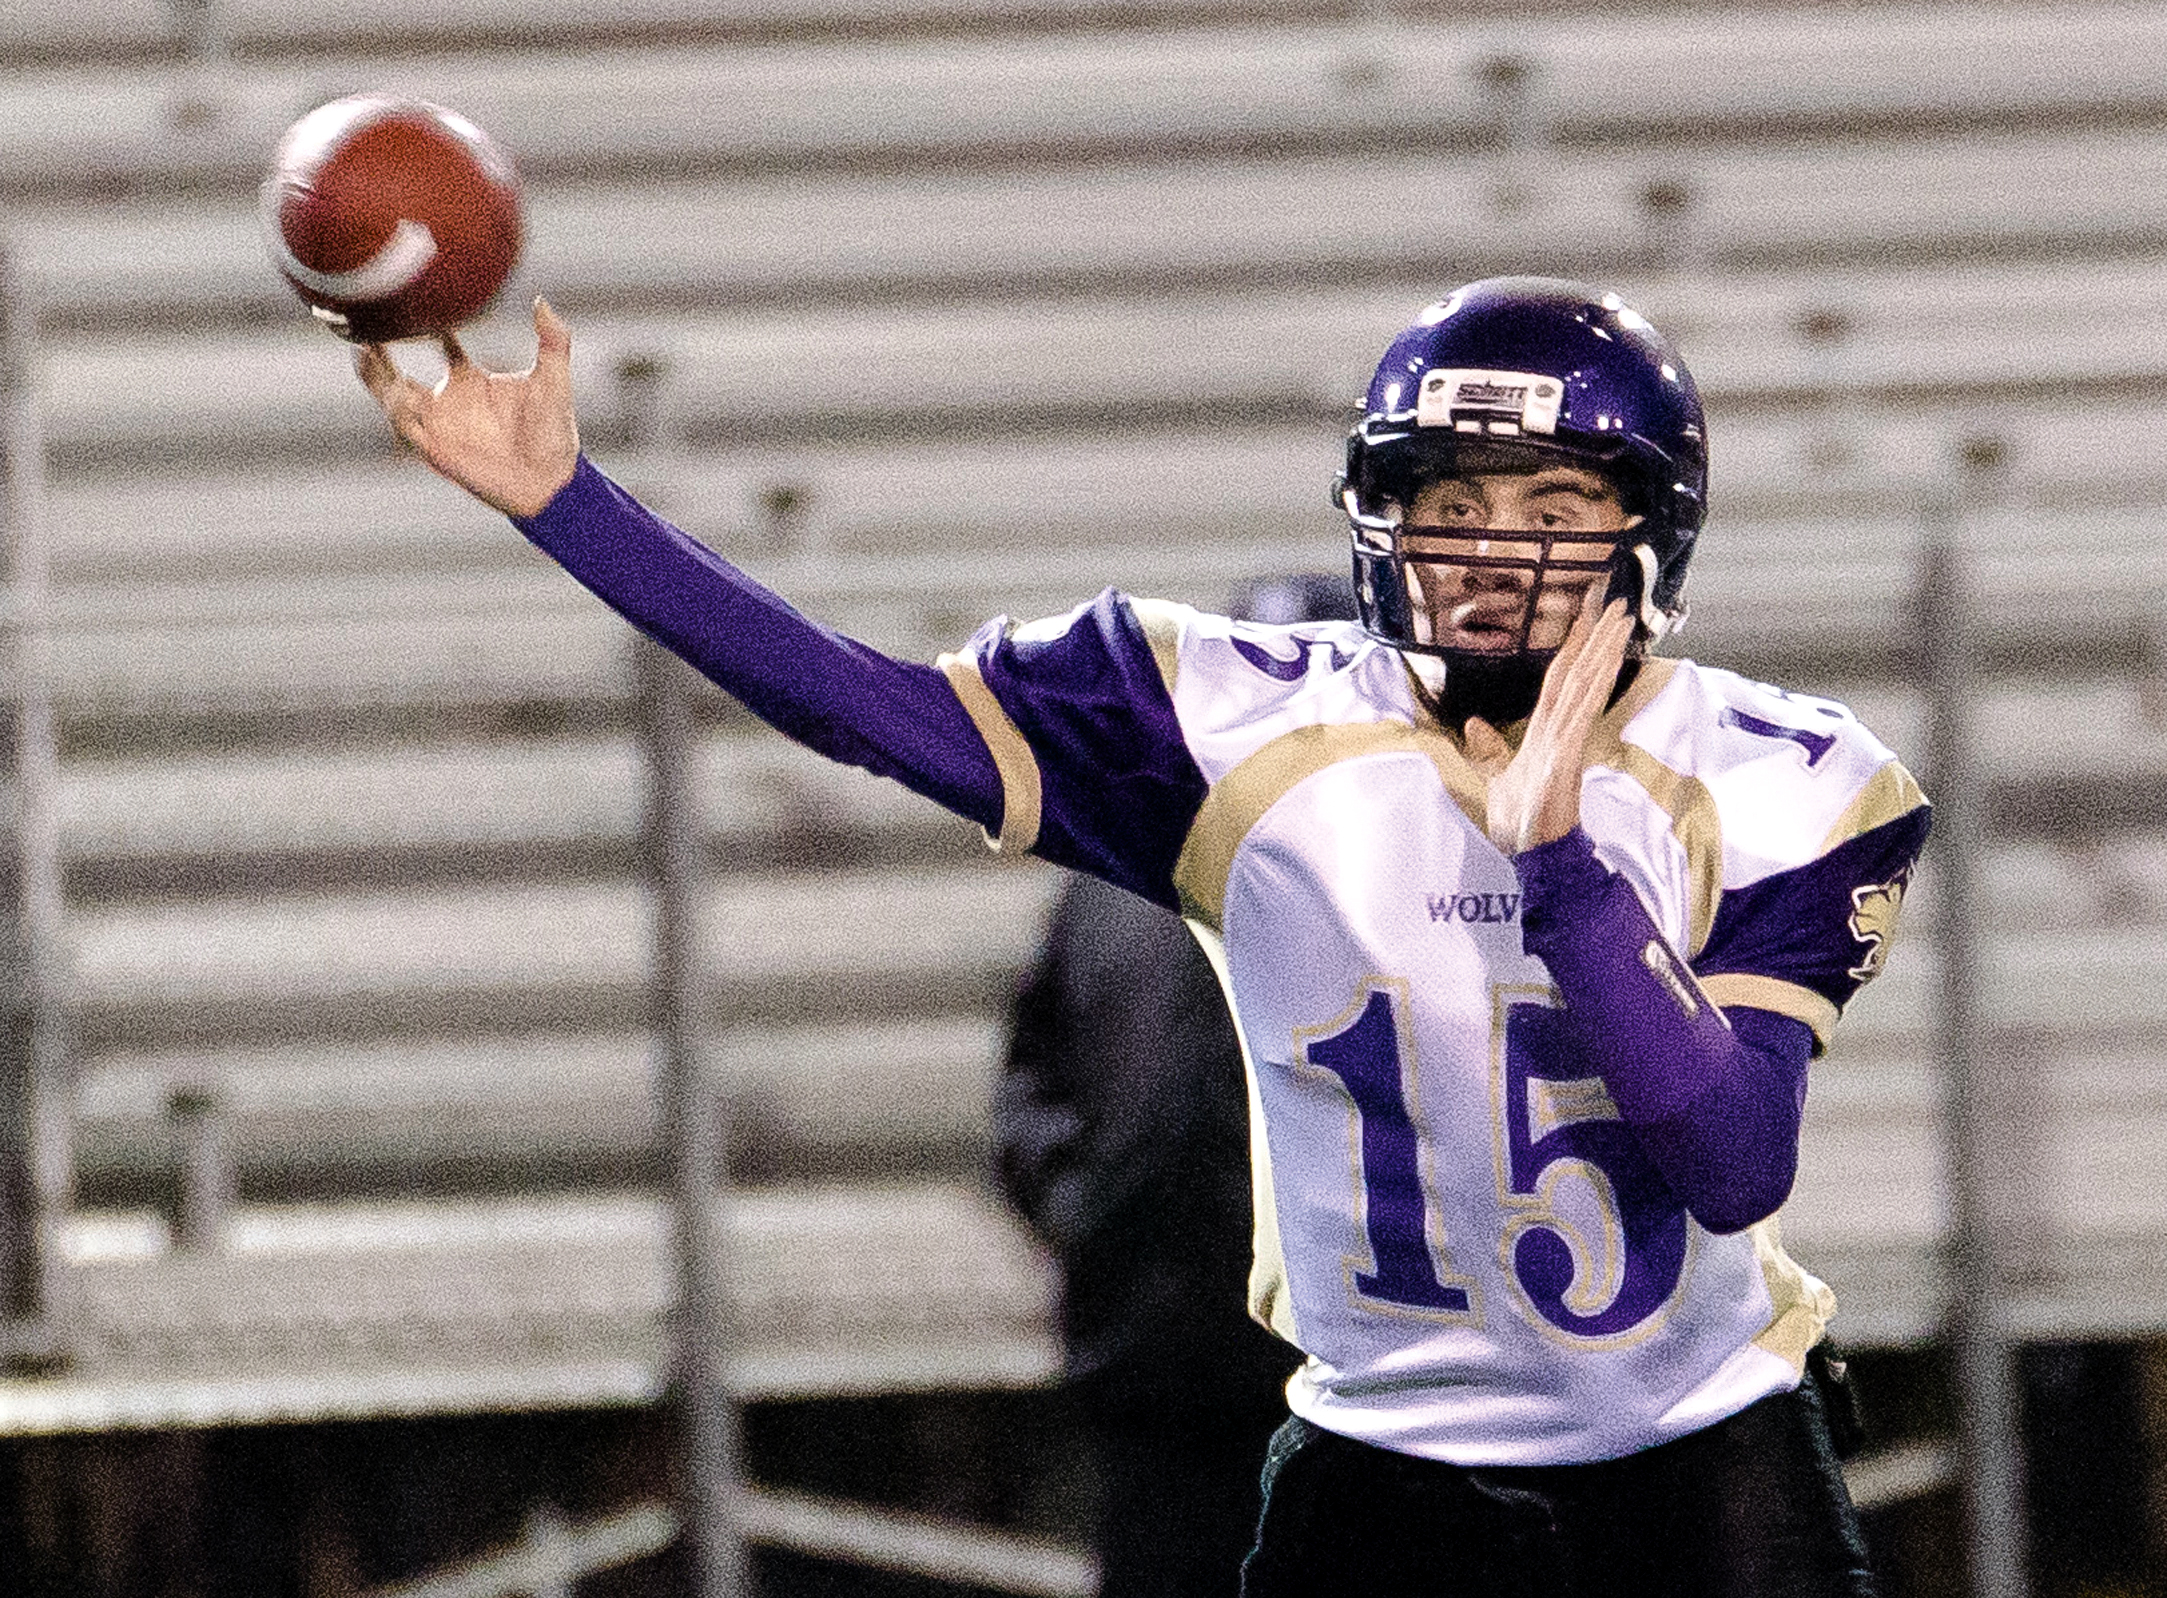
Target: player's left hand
x=1534, y=792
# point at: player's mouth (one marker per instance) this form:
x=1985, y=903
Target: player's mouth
x=1493, y=623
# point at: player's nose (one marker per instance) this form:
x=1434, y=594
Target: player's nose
x=1490, y=579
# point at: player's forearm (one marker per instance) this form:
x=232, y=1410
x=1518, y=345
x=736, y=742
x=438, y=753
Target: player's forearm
x=1715, y=1105
x=849, y=702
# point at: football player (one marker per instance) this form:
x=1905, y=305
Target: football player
x=1530, y=935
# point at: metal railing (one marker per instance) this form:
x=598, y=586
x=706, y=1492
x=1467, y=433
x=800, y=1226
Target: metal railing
x=553, y=1554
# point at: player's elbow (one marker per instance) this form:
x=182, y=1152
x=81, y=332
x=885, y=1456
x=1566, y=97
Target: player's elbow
x=1731, y=1155
x=1729, y=1201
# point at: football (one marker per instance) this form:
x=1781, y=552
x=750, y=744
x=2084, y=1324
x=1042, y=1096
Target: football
x=391, y=217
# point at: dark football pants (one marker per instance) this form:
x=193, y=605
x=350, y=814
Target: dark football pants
x=1752, y=1507
x=1181, y=1502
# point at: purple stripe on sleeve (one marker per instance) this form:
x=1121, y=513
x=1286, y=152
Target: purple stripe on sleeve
x=1716, y=1106
x=1824, y=925
x=830, y=693
x=1119, y=786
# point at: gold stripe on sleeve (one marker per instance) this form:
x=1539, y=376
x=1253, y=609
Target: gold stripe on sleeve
x=1890, y=792
x=1021, y=798
x=1238, y=801
x=1774, y=994
x=1161, y=621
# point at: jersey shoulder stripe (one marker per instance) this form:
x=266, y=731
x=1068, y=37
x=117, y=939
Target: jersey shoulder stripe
x=1792, y=775
x=1626, y=769
x=1263, y=708
x=1889, y=793
x=1239, y=800
x=1238, y=685
x=1078, y=712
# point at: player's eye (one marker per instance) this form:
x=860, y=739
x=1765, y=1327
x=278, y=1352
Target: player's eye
x=1565, y=512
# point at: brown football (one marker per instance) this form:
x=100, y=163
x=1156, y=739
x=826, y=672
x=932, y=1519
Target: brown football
x=391, y=217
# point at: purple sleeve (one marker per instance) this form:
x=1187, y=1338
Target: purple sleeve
x=830, y=693
x=1714, y=1102
x=1119, y=786
x=1824, y=926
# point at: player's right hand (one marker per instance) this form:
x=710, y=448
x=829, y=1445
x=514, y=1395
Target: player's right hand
x=1534, y=791
x=508, y=438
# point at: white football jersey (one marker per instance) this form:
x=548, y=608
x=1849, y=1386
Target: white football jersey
x=1452, y=1221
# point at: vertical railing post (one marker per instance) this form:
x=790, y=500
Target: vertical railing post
x=1975, y=1320
x=35, y=1175
x=694, y=1141
x=199, y=1116
x=694, y=1127
x=1508, y=81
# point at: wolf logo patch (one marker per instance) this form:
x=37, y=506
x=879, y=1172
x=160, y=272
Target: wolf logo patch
x=1874, y=909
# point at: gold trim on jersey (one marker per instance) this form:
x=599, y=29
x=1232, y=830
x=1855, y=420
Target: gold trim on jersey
x=1801, y=1305
x=1694, y=820
x=1773, y=993
x=1653, y=677
x=1890, y=792
x=1238, y=801
x=1270, y=1304
x=1161, y=621
x=1021, y=797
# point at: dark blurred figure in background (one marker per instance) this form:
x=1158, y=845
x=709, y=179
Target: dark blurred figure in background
x=1121, y=1130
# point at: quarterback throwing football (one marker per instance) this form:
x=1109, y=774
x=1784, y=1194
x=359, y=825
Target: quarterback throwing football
x=1529, y=935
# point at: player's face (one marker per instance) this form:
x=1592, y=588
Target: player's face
x=1477, y=586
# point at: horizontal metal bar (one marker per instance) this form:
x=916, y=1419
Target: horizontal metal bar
x=1897, y=1475
x=920, y=1545
x=1087, y=87
x=554, y=1553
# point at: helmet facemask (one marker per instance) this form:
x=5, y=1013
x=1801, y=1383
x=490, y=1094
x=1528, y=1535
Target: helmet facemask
x=1472, y=593
x=1492, y=584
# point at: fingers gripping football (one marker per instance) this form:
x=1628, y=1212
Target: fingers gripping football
x=508, y=438
x=1534, y=792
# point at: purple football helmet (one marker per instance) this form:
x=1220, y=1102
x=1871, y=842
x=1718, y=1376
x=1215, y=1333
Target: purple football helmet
x=1511, y=374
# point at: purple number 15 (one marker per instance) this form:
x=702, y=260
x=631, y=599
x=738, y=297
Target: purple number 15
x=1650, y=1222
x=1651, y=1229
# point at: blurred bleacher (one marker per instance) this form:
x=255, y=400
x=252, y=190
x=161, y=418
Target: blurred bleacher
x=931, y=310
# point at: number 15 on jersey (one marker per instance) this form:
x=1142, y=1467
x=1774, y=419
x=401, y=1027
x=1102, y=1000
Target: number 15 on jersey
x=1555, y=1121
